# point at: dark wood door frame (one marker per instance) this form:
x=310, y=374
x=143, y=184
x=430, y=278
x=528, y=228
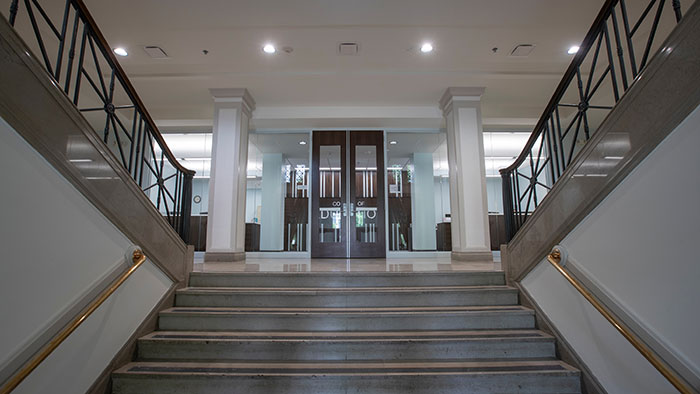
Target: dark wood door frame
x=350, y=247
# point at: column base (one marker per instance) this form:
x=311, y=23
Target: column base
x=223, y=257
x=482, y=257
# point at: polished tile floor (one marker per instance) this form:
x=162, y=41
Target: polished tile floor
x=408, y=264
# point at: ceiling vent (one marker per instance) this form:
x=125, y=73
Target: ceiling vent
x=522, y=50
x=348, y=48
x=155, y=52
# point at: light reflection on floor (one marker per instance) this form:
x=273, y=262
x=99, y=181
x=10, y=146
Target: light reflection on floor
x=440, y=264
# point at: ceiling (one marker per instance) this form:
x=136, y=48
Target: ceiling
x=388, y=71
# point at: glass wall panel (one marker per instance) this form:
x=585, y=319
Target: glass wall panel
x=277, y=192
x=418, y=191
x=193, y=151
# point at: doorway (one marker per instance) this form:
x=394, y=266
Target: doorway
x=347, y=195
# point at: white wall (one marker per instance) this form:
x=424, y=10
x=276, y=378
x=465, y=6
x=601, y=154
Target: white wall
x=442, y=198
x=56, y=248
x=423, y=202
x=495, y=194
x=640, y=247
x=272, y=215
x=200, y=187
x=253, y=200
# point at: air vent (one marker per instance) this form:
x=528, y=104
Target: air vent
x=155, y=52
x=522, y=50
x=348, y=48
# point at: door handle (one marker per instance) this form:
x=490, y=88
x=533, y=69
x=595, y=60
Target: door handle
x=345, y=209
x=352, y=209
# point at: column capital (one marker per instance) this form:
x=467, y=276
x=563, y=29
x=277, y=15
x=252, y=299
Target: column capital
x=234, y=95
x=460, y=94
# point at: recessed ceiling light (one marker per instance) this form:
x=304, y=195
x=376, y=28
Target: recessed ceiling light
x=302, y=142
x=393, y=142
x=269, y=48
x=573, y=50
x=120, y=51
x=426, y=47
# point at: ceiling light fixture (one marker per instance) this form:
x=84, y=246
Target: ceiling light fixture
x=573, y=50
x=302, y=142
x=426, y=47
x=393, y=142
x=269, y=48
x=120, y=51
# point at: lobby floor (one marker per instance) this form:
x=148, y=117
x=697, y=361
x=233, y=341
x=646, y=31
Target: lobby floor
x=392, y=264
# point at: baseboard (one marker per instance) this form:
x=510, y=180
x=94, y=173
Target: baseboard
x=103, y=383
x=565, y=352
x=223, y=257
x=473, y=256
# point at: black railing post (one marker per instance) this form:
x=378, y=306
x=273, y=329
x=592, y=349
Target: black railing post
x=186, y=207
x=508, y=204
x=14, y=7
x=677, y=10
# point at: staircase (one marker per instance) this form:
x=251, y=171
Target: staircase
x=347, y=333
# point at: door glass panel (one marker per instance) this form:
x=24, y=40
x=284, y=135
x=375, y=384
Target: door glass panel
x=330, y=199
x=365, y=199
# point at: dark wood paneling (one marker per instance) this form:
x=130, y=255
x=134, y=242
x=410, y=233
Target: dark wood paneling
x=296, y=211
x=400, y=212
x=444, y=236
x=252, y=237
x=497, y=231
x=198, y=232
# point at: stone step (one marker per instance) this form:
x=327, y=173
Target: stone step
x=308, y=346
x=346, y=319
x=346, y=279
x=346, y=296
x=433, y=377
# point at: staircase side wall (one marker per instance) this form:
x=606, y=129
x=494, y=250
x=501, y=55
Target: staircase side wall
x=631, y=231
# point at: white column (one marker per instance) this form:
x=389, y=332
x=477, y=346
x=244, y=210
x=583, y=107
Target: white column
x=423, y=202
x=465, y=153
x=272, y=212
x=227, y=185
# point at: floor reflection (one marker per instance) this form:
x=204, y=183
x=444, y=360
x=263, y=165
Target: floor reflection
x=441, y=264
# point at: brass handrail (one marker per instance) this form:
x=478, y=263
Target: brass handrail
x=555, y=259
x=138, y=259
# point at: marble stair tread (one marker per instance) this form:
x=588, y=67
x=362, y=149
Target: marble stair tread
x=343, y=274
x=322, y=336
x=346, y=345
x=347, y=310
x=342, y=290
x=345, y=279
x=344, y=368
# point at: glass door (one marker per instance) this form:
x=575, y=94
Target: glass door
x=328, y=189
x=347, y=194
x=367, y=194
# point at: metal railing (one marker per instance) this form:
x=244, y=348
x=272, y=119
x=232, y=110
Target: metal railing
x=81, y=62
x=611, y=57
x=555, y=258
x=138, y=258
